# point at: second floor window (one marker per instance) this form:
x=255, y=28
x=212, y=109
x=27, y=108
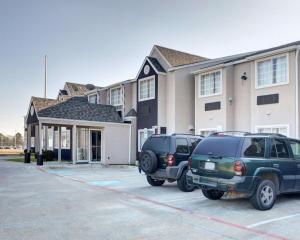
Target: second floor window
x=210, y=84
x=115, y=96
x=272, y=71
x=147, y=89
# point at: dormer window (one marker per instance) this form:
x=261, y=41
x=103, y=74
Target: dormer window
x=115, y=96
x=93, y=98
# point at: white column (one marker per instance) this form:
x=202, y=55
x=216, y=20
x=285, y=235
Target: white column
x=59, y=144
x=74, y=144
x=40, y=137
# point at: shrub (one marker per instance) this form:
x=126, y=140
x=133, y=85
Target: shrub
x=48, y=155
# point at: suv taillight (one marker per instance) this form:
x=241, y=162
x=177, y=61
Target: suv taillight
x=171, y=160
x=239, y=168
x=189, y=163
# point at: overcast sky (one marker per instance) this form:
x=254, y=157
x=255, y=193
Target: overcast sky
x=101, y=42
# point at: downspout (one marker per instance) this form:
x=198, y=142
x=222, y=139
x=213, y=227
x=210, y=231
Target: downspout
x=297, y=93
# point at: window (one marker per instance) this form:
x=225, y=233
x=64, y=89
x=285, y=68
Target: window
x=273, y=129
x=279, y=149
x=93, y=99
x=254, y=147
x=218, y=146
x=194, y=143
x=295, y=146
x=182, y=146
x=115, y=96
x=272, y=71
x=65, y=138
x=210, y=84
x=146, y=89
x=50, y=138
x=143, y=134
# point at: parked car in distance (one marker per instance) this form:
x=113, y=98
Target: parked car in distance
x=259, y=165
x=165, y=157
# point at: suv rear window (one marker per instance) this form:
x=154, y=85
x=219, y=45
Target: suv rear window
x=218, y=146
x=158, y=144
x=182, y=146
x=254, y=147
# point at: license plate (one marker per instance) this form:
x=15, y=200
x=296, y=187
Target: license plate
x=210, y=166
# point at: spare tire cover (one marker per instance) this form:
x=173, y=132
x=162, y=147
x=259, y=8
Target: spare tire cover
x=148, y=162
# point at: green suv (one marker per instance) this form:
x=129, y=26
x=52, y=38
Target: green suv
x=260, y=166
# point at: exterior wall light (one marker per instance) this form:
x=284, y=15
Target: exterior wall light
x=244, y=76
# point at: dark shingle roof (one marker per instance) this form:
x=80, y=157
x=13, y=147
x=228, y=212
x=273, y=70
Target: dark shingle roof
x=156, y=64
x=78, y=108
x=131, y=113
x=177, y=58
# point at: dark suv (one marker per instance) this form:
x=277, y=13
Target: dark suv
x=165, y=157
x=259, y=165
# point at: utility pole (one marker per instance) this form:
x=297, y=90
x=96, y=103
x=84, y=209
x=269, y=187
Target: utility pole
x=45, y=86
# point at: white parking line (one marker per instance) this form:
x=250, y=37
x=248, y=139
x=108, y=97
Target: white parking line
x=272, y=220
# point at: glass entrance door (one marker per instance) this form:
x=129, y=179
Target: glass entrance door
x=82, y=144
x=95, y=146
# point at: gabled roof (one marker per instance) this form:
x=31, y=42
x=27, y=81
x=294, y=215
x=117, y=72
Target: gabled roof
x=78, y=108
x=131, y=113
x=177, y=58
x=156, y=64
x=245, y=56
x=42, y=103
x=76, y=89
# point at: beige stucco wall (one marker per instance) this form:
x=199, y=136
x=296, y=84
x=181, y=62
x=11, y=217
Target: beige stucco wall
x=243, y=113
x=210, y=119
x=162, y=99
x=282, y=113
x=116, y=144
x=170, y=102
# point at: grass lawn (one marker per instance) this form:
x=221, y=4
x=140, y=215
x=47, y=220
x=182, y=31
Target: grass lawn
x=20, y=159
x=10, y=151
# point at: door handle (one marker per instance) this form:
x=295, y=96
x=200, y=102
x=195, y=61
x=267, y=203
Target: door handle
x=276, y=165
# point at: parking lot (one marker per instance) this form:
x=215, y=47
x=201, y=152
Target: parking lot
x=94, y=202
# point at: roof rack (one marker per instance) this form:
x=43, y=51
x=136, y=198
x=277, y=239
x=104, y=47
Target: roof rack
x=267, y=134
x=229, y=133
x=188, y=134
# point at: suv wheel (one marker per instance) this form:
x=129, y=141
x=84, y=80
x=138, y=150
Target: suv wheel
x=264, y=196
x=155, y=182
x=148, y=162
x=213, y=194
x=183, y=185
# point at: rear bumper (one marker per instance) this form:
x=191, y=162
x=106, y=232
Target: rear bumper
x=168, y=173
x=239, y=184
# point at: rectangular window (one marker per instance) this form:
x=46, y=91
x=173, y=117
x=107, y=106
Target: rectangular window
x=254, y=147
x=279, y=149
x=295, y=146
x=210, y=84
x=273, y=129
x=182, y=146
x=93, y=99
x=147, y=89
x=272, y=71
x=115, y=96
x=143, y=134
x=50, y=134
x=65, y=138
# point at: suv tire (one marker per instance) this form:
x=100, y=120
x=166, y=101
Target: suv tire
x=148, y=162
x=155, y=182
x=264, y=196
x=213, y=194
x=183, y=185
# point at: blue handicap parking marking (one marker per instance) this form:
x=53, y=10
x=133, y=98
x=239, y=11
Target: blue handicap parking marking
x=105, y=183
